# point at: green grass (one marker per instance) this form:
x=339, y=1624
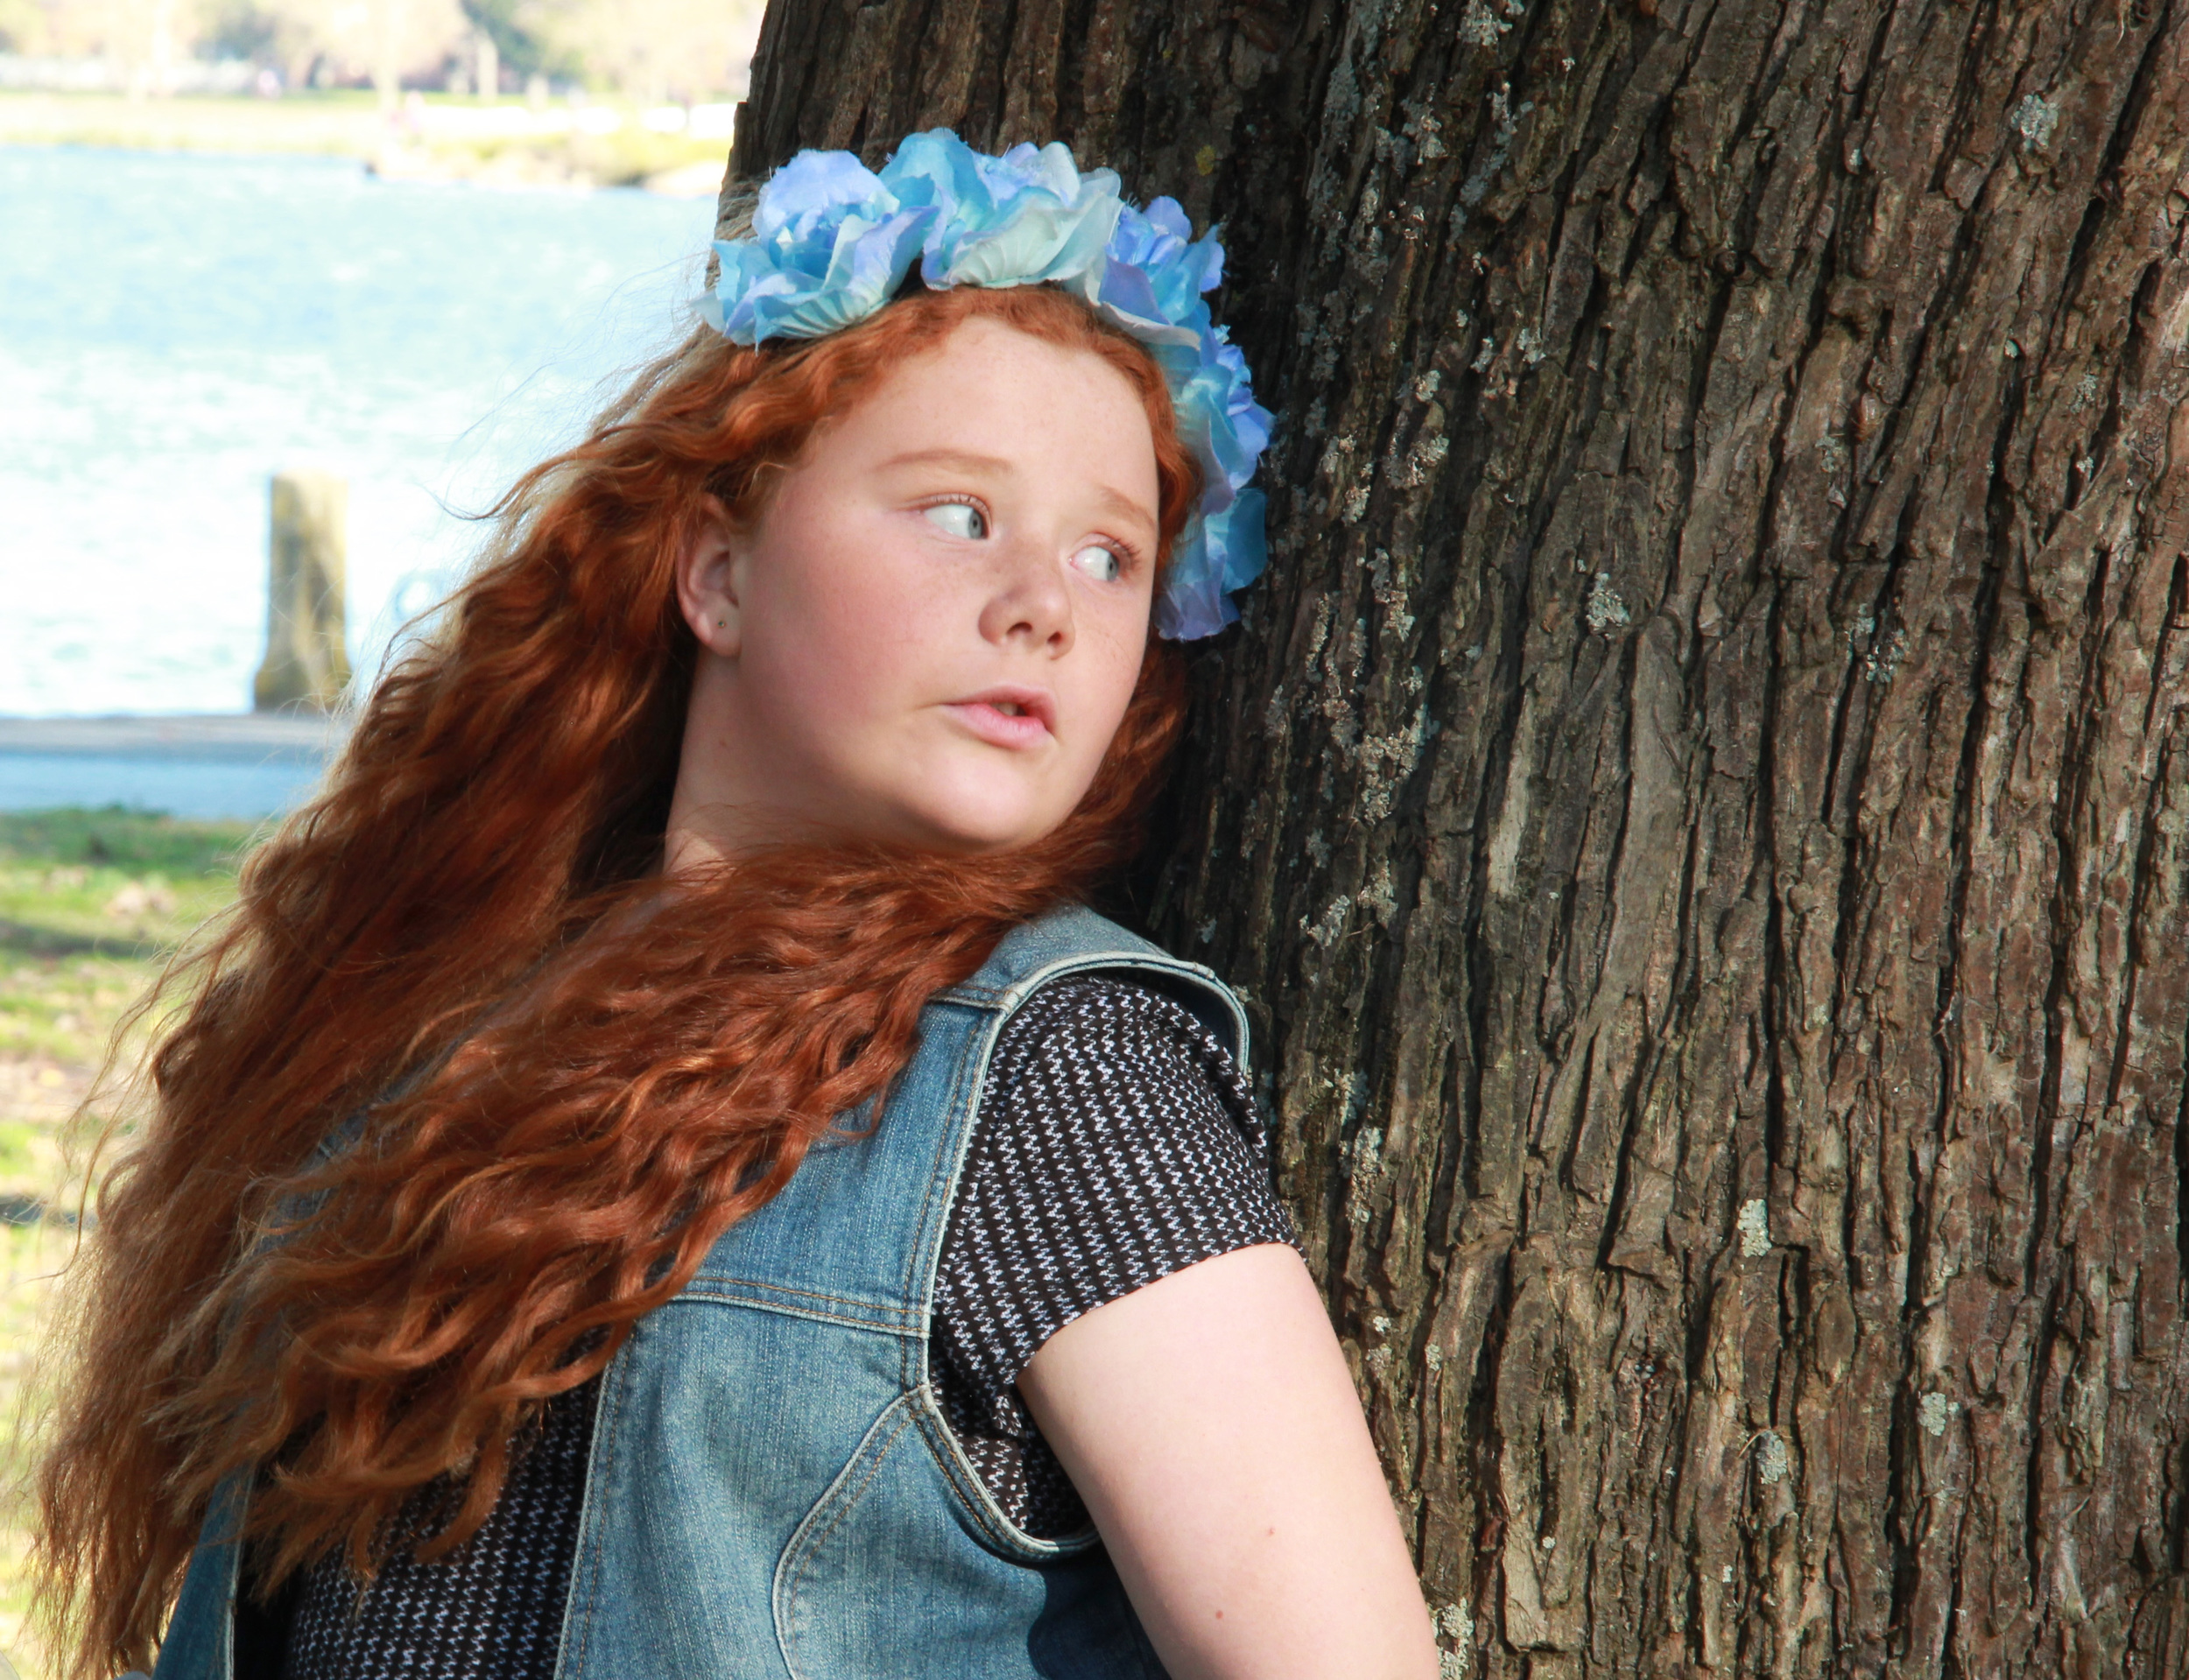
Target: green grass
x=91, y=904
x=123, y=838
x=624, y=159
x=346, y=123
x=338, y=123
x=30, y=1259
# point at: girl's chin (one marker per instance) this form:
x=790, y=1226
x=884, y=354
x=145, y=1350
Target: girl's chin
x=962, y=841
x=978, y=819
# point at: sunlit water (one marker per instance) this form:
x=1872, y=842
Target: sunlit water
x=174, y=328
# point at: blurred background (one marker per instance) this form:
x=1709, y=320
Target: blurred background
x=291, y=291
x=650, y=52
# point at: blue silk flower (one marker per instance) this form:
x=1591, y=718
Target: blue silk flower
x=832, y=242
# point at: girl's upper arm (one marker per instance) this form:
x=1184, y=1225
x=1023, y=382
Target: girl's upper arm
x=1210, y=1423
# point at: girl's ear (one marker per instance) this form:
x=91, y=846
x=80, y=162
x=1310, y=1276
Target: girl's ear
x=710, y=579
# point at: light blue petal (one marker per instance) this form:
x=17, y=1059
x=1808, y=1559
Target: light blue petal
x=748, y=280
x=833, y=241
x=1052, y=167
x=936, y=167
x=1251, y=423
x=810, y=184
x=1123, y=293
x=1245, y=541
x=1038, y=239
x=1205, y=257
x=1133, y=239
x=1165, y=216
x=1125, y=289
x=1192, y=603
x=871, y=259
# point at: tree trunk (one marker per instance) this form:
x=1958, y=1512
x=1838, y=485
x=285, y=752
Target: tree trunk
x=1700, y=805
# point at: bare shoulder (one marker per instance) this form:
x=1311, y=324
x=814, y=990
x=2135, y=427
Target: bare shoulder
x=1210, y=1423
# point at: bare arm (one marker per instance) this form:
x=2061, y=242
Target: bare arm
x=1210, y=1425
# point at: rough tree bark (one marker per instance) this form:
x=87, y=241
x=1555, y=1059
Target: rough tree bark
x=1700, y=805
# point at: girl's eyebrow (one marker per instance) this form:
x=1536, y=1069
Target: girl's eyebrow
x=962, y=459
x=967, y=462
x=1123, y=506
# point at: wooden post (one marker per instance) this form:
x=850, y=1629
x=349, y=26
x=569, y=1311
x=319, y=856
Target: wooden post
x=308, y=662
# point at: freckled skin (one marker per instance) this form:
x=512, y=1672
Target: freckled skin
x=1194, y=1412
x=835, y=634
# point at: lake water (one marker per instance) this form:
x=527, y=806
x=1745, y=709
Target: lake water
x=174, y=328
x=182, y=784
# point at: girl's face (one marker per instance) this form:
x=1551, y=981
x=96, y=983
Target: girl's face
x=931, y=633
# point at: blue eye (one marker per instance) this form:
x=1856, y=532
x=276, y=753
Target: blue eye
x=1099, y=562
x=959, y=518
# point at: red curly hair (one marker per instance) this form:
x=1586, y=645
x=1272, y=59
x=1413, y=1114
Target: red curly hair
x=638, y=1061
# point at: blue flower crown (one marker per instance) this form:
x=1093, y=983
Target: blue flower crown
x=832, y=242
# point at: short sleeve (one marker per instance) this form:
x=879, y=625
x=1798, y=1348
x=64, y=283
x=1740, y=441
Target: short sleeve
x=1115, y=1142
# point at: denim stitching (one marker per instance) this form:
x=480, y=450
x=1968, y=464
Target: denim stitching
x=813, y=1315
x=600, y=1466
x=233, y=1544
x=943, y=1173
x=1017, y=993
x=979, y=1050
x=911, y=1319
x=965, y=1481
x=845, y=1500
x=785, y=1289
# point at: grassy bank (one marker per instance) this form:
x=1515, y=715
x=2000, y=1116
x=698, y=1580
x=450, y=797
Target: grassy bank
x=91, y=901
x=338, y=123
x=436, y=136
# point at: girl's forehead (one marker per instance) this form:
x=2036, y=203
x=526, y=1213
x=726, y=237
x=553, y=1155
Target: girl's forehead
x=989, y=380
x=991, y=351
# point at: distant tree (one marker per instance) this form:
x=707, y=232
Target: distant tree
x=523, y=35
x=23, y=28
x=651, y=49
x=243, y=29
x=1700, y=804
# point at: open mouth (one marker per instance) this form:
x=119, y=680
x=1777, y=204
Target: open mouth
x=1017, y=702
x=1008, y=716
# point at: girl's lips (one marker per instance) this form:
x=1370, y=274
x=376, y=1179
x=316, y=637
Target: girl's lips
x=999, y=727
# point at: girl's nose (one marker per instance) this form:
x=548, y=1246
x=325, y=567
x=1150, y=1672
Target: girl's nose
x=1030, y=600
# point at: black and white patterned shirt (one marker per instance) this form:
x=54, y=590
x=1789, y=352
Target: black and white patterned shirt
x=1116, y=1143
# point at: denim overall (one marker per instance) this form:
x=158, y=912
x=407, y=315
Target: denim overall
x=773, y=1494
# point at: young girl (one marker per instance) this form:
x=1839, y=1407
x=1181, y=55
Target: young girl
x=663, y=1176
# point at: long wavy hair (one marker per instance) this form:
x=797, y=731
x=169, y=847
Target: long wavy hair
x=569, y=1073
